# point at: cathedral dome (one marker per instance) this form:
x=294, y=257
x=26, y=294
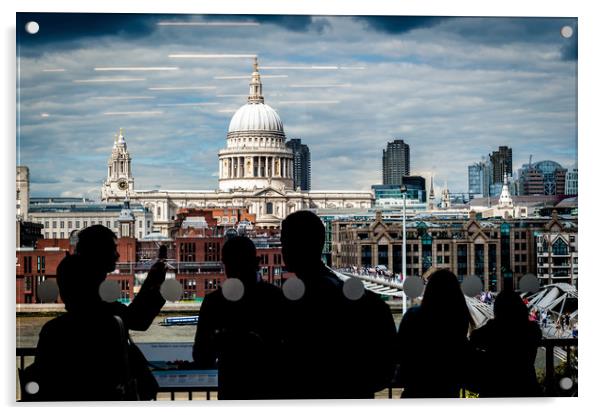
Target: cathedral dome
x=255, y=116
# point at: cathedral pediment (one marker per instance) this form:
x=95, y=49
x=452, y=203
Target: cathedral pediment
x=269, y=192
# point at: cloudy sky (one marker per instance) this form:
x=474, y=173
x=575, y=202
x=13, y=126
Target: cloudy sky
x=453, y=88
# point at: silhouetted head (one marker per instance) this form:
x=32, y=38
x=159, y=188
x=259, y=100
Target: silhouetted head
x=97, y=246
x=240, y=259
x=444, y=301
x=510, y=308
x=77, y=286
x=302, y=238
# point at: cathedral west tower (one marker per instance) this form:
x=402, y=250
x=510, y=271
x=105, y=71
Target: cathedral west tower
x=119, y=182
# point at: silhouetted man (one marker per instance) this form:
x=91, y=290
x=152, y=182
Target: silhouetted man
x=98, y=248
x=241, y=335
x=336, y=347
x=85, y=354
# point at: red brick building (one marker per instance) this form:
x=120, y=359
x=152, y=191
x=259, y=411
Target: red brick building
x=271, y=265
x=34, y=266
x=194, y=258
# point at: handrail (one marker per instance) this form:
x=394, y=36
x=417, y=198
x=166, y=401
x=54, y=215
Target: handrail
x=549, y=344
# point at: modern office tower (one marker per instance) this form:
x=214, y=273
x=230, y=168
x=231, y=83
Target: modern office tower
x=396, y=162
x=301, y=164
x=501, y=163
x=479, y=179
x=390, y=195
x=543, y=178
x=549, y=170
x=475, y=179
x=571, y=186
x=416, y=187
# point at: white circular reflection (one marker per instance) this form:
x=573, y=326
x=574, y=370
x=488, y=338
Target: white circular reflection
x=233, y=289
x=413, y=286
x=293, y=288
x=109, y=291
x=529, y=283
x=566, y=383
x=48, y=291
x=32, y=27
x=171, y=290
x=353, y=289
x=32, y=388
x=472, y=286
x=566, y=32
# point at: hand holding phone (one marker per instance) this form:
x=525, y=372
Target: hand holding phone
x=156, y=275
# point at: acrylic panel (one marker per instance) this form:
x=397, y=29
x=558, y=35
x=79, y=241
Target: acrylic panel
x=295, y=207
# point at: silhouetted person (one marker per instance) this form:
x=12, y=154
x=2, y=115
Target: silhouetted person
x=86, y=354
x=509, y=344
x=79, y=355
x=335, y=347
x=432, y=341
x=97, y=247
x=242, y=338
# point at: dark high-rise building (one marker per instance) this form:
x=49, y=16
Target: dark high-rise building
x=396, y=162
x=501, y=163
x=301, y=164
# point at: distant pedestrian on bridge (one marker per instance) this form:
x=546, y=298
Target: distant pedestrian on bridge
x=508, y=345
x=544, y=318
x=432, y=345
x=335, y=346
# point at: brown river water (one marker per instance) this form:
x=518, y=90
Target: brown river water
x=28, y=329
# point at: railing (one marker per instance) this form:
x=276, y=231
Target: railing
x=550, y=383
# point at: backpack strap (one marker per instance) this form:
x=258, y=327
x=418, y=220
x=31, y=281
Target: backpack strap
x=127, y=385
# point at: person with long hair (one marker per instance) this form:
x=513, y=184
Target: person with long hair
x=432, y=341
x=509, y=345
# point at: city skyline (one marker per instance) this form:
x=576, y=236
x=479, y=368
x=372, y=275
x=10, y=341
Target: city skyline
x=368, y=81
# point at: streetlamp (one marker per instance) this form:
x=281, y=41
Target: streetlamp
x=403, y=189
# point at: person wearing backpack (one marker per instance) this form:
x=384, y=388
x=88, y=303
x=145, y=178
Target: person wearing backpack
x=86, y=354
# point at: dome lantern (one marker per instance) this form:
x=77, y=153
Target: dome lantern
x=255, y=87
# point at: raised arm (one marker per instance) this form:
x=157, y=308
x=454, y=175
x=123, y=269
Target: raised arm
x=148, y=302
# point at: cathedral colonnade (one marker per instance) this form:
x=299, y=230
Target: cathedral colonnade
x=256, y=166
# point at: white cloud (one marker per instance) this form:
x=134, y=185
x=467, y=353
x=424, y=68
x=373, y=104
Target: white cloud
x=134, y=113
x=136, y=68
x=101, y=80
x=453, y=101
